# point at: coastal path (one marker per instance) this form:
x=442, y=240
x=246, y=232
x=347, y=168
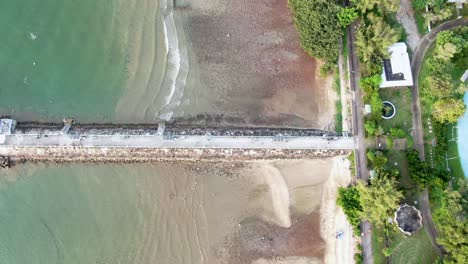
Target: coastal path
x=358, y=130
x=181, y=141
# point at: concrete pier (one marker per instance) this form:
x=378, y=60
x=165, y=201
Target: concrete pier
x=180, y=141
x=160, y=142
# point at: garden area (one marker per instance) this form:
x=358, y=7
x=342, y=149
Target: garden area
x=439, y=12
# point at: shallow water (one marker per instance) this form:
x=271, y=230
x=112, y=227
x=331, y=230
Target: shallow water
x=103, y=214
x=166, y=213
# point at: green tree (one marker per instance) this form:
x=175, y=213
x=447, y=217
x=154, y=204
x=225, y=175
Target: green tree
x=379, y=200
x=437, y=12
x=371, y=127
x=348, y=200
x=448, y=110
x=373, y=39
x=419, y=4
x=376, y=103
x=418, y=169
x=452, y=224
x=446, y=52
x=377, y=158
x=318, y=26
x=397, y=132
x=384, y=6
x=442, y=86
x=370, y=84
x=347, y=15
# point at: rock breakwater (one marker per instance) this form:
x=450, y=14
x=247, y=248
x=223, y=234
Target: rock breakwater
x=130, y=155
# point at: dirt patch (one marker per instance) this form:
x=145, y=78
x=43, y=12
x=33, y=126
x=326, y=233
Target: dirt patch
x=257, y=239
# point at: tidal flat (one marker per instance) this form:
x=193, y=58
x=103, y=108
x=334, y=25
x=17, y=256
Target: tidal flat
x=170, y=212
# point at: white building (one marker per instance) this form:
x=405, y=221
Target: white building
x=464, y=76
x=397, y=69
x=458, y=3
x=7, y=127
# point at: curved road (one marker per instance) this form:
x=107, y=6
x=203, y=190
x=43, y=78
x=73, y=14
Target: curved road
x=418, y=132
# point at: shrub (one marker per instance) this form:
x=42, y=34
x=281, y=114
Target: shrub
x=418, y=169
x=389, y=142
x=419, y=4
x=348, y=200
x=448, y=110
x=397, y=132
x=318, y=26
x=347, y=15
x=327, y=68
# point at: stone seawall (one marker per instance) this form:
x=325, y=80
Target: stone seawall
x=120, y=154
x=152, y=129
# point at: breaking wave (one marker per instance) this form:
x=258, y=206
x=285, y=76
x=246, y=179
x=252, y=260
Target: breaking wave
x=175, y=75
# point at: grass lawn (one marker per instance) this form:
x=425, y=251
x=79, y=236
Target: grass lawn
x=401, y=98
x=378, y=244
x=420, y=21
x=416, y=248
x=338, y=105
x=454, y=164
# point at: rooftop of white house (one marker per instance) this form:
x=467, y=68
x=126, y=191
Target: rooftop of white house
x=397, y=69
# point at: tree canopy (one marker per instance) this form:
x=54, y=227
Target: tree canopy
x=348, y=200
x=448, y=110
x=382, y=5
x=373, y=39
x=452, y=224
x=379, y=200
x=418, y=169
x=347, y=15
x=318, y=26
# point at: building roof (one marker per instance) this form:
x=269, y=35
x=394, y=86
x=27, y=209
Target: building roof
x=7, y=126
x=397, y=69
x=464, y=76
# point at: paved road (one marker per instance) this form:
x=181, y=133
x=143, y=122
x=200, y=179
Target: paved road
x=418, y=129
x=186, y=141
x=358, y=130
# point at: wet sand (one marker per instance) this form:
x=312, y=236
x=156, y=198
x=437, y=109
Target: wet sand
x=248, y=66
x=239, y=63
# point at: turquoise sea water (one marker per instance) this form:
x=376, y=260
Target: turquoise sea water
x=462, y=131
x=63, y=57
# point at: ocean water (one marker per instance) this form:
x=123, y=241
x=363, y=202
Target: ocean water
x=462, y=128
x=77, y=58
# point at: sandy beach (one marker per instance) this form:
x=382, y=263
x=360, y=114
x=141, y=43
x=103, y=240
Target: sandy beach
x=292, y=216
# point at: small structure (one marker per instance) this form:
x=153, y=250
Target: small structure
x=389, y=110
x=464, y=76
x=397, y=69
x=367, y=109
x=67, y=123
x=7, y=127
x=408, y=219
x=458, y=3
